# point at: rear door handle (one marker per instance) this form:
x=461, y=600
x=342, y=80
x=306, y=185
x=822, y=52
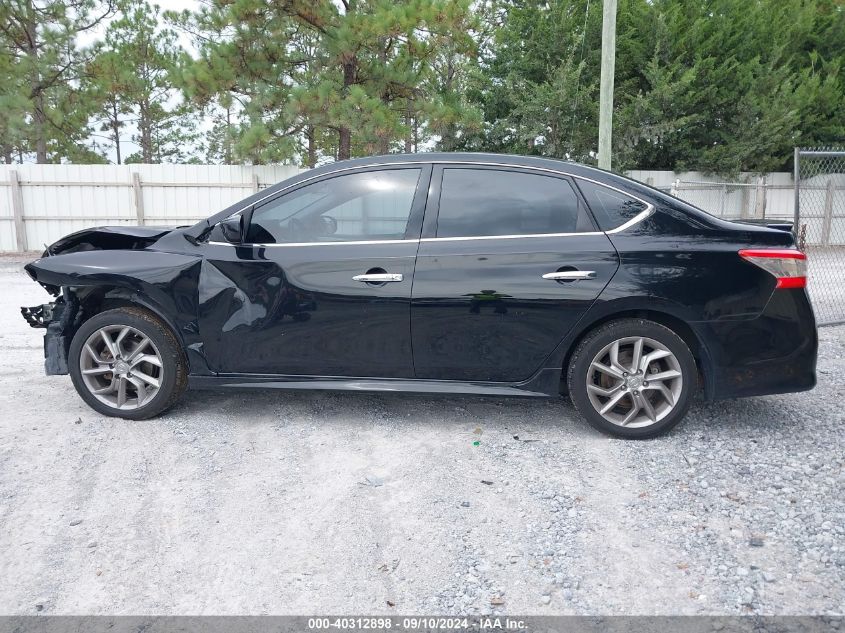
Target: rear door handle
x=571, y=275
x=378, y=278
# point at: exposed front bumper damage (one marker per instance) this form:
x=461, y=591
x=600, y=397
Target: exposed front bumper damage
x=39, y=316
x=59, y=319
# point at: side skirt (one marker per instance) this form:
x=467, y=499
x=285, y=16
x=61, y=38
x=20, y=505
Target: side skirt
x=546, y=383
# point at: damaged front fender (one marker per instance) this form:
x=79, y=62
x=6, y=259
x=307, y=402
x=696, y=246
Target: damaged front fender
x=165, y=283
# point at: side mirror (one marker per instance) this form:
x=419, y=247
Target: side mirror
x=233, y=229
x=328, y=225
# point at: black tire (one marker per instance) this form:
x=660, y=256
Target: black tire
x=595, y=341
x=174, y=369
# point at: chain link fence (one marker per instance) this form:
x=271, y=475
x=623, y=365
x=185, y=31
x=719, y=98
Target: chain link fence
x=820, y=227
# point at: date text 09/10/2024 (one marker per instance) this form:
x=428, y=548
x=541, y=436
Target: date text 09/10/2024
x=416, y=623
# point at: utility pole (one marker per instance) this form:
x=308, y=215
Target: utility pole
x=608, y=68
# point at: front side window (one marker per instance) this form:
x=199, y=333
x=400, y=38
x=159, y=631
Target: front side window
x=373, y=205
x=489, y=202
x=610, y=207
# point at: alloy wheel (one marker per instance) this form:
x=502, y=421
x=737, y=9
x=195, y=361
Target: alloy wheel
x=634, y=382
x=121, y=367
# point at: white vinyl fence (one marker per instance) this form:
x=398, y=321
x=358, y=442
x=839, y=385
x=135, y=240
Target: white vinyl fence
x=41, y=203
x=749, y=195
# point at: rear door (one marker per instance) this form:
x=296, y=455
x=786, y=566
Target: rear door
x=508, y=261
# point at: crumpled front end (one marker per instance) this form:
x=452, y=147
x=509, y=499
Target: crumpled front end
x=60, y=319
x=102, y=238
x=86, y=283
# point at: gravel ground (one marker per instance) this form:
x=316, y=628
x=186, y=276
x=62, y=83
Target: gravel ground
x=309, y=502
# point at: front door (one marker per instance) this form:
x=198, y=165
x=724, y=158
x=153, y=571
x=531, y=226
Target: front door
x=509, y=261
x=321, y=285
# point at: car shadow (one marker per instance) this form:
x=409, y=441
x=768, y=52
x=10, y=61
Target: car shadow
x=728, y=419
x=342, y=407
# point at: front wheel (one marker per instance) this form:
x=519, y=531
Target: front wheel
x=127, y=363
x=632, y=378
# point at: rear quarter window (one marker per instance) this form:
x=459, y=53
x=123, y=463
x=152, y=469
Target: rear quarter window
x=610, y=207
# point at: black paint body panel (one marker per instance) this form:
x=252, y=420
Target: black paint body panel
x=297, y=311
x=469, y=315
x=482, y=311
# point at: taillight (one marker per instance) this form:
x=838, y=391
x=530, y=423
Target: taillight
x=789, y=266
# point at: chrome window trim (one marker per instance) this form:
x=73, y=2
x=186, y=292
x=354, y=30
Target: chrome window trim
x=622, y=227
x=351, y=242
x=636, y=219
x=428, y=239
x=506, y=237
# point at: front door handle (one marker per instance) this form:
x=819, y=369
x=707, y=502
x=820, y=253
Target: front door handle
x=378, y=278
x=570, y=275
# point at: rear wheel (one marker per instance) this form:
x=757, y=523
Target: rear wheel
x=127, y=363
x=632, y=378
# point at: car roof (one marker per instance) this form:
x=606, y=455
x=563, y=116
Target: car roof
x=465, y=157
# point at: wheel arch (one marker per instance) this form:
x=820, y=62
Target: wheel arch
x=666, y=318
x=96, y=299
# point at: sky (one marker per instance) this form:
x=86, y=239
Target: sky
x=88, y=37
x=177, y=5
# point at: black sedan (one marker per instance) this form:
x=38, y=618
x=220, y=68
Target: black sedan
x=445, y=273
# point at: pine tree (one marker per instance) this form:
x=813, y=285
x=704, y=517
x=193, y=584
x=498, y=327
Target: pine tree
x=14, y=104
x=324, y=78
x=39, y=44
x=242, y=76
x=133, y=76
x=107, y=80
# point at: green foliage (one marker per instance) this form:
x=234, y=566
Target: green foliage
x=14, y=105
x=44, y=110
x=714, y=85
x=241, y=79
x=327, y=78
x=130, y=79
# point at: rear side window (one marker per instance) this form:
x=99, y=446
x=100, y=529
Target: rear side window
x=489, y=202
x=611, y=208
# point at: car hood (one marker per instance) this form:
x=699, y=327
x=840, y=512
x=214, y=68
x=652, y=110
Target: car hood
x=103, y=238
